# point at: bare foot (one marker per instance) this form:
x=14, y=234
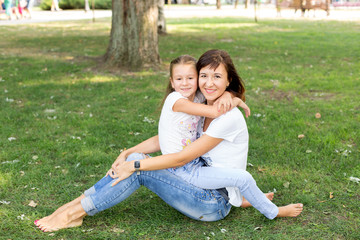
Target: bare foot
x=72, y=216
x=291, y=210
x=246, y=203
x=59, y=210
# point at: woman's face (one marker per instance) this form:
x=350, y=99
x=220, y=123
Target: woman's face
x=213, y=82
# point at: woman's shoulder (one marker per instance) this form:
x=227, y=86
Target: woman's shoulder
x=232, y=115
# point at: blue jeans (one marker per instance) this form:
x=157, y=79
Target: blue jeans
x=196, y=203
x=215, y=178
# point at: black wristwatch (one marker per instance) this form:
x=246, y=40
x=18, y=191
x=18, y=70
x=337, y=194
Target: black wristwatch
x=137, y=167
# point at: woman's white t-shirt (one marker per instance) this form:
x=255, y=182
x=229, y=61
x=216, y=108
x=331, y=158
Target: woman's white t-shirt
x=233, y=150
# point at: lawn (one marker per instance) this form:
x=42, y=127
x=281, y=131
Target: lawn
x=63, y=121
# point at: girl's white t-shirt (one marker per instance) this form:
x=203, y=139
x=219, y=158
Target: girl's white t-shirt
x=233, y=150
x=176, y=129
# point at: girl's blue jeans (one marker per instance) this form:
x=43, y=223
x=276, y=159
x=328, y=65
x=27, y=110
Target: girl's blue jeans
x=215, y=178
x=196, y=203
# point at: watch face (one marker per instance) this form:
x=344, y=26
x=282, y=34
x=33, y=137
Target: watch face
x=137, y=164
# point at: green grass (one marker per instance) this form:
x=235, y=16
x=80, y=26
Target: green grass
x=70, y=119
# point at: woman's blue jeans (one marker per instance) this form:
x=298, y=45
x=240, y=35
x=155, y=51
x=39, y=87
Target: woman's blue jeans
x=196, y=203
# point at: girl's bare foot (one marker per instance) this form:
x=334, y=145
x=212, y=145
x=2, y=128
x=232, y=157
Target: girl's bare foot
x=246, y=203
x=291, y=210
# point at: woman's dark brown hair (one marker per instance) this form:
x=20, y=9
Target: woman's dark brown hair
x=213, y=58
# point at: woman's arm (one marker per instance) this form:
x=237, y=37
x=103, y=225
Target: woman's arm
x=150, y=145
x=201, y=146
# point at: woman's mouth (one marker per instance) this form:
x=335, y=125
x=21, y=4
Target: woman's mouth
x=209, y=91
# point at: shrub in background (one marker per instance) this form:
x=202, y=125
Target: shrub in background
x=76, y=4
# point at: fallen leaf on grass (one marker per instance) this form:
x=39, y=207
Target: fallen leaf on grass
x=117, y=230
x=4, y=202
x=22, y=173
x=354, y=179
x=331, y=195
x=261, y=169
x=286, y=185
x=257, y=228
x=318, y=115
x=32, y=204
x=308, y=151
x=301, y=136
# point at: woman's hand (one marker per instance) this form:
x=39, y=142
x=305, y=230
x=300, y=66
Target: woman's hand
x=123, y=171
x=120, y=159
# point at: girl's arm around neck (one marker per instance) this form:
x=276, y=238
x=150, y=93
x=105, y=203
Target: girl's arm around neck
x=194, y=150
x=197, y=109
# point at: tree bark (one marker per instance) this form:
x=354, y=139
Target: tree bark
x=218, y=4
x=134, y=38
x=87, y=6
x=236, y=3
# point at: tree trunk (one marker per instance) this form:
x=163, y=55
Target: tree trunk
x=87, y=6
x=218, y=4
x=134, y=38
x=161, y=17
x=236, y=3
x=246, y=4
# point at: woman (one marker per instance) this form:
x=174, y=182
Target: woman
x=197, y=203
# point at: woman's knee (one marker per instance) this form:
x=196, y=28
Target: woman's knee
x=135, y=156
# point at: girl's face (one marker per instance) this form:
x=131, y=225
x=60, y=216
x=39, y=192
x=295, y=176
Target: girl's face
x=213, y=82
x=184, y=80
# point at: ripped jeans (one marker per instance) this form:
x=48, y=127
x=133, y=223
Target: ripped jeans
x=196, y=203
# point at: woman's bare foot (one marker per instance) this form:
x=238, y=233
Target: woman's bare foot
x=291, y=210
x=71, y=216
x=246, y=203
x=59, y=210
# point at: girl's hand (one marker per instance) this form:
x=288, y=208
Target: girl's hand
x=123, y=171
x=243, y=105
x=225, y=102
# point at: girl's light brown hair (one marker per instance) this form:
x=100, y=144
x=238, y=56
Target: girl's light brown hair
x=183, y=59
x=213, y=58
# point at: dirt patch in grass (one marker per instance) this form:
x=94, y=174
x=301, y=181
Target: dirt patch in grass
x=280, y=95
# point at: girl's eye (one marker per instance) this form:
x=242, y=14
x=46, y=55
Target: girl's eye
x=202, y=75
x=217, y=76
